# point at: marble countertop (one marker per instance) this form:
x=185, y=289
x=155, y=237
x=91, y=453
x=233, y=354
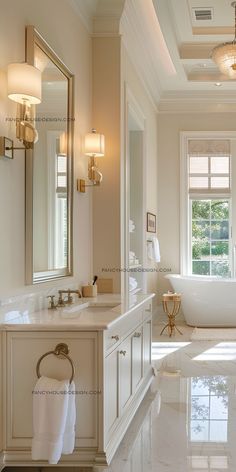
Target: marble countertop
x=98, y=313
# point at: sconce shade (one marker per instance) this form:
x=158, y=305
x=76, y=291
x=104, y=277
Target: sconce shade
x=24, y=83
x=94, y=145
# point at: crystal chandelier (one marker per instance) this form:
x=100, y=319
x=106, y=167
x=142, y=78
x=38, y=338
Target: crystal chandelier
x=224, y=55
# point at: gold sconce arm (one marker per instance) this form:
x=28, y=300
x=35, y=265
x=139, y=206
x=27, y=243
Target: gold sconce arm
x=94, y=147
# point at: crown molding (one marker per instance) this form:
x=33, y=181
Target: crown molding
x=106, y=26
x=100, y=17
x=140, y=53
x=110, y=8
x=85, y=10
x=197, y=102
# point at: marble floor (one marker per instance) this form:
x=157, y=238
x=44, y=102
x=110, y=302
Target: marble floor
x=187, y=421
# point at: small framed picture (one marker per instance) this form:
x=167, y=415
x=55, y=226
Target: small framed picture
x=151, y=223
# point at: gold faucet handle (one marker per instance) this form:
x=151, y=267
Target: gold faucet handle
x=60, y=299
x=52, y=304
x=70, y=298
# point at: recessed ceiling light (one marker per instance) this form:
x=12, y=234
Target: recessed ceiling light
x=218, y=84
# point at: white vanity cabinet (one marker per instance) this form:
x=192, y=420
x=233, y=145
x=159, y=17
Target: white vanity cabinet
x=1, y=403
x=23, y=351
x=128, y=372
x=112, y=374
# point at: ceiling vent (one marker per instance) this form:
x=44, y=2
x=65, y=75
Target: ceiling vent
x=203, y=14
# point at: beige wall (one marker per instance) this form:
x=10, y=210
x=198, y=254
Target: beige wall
x=106, y=119
x=63, y=30
x=169, y=127
x=111, y=69
x=131, y=79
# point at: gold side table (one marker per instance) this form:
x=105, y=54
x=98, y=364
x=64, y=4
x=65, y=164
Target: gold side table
x=171, y=305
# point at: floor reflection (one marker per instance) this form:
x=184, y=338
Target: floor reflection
x=188, y=422
x=209, y=409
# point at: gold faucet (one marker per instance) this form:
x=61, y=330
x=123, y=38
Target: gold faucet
x=52, y=304
x=69, y=301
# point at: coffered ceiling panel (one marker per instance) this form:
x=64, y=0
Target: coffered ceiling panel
x=192, y=28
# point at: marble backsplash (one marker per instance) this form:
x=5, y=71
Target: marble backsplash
x=34, y=298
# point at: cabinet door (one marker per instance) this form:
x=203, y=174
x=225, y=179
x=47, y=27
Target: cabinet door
x=147, y=346
x=23, y=352
x=111, y=392
x=137, y=368
x=1, y=399
x=125, y=373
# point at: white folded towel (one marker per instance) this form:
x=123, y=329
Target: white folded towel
x=132, y=283
x=131, y=226
x=54, y=417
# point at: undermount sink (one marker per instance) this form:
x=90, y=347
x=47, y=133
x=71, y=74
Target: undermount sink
x=87, y=308
x=97, y=309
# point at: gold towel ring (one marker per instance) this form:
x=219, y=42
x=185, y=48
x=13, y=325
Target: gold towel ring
x=61, y=349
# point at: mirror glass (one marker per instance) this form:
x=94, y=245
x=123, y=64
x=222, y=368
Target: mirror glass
x=51, y=173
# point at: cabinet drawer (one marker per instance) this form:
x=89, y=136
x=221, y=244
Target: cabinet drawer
x=147, y=310
x=112, y=337
x=121, y=330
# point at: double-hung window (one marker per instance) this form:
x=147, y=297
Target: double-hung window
x=206, y=206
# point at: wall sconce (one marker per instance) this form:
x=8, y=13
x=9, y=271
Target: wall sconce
x=24, y=88
x=94, y=147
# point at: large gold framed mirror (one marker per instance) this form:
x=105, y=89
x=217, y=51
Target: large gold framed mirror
x=49, y=168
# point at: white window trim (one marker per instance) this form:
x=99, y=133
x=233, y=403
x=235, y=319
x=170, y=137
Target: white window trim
x=184, y=210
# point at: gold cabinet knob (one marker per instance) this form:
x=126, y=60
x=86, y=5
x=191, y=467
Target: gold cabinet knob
x=123, y=353
x=137, y=335
x=116, y=337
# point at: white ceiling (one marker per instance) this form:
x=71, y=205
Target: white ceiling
x=171, y=50
x=190, y=42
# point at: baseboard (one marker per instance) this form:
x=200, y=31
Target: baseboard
x=1, y=461
x=22, y=458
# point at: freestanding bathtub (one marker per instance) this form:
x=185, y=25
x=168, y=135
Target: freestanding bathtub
x=206, y=301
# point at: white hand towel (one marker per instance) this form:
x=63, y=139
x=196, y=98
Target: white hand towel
x=53, y=415
x=153, y=250
x=156, y=250
x=69, y=434
x=150, y=250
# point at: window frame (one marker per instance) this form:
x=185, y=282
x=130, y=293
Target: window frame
x=185, y=239
x=208, y=197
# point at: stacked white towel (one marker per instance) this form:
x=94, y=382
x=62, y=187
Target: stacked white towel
x=133, y=260
x=131, y=226
x=54, y=417
x=132, y=283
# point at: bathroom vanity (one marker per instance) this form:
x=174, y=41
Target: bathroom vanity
x=110, y=346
